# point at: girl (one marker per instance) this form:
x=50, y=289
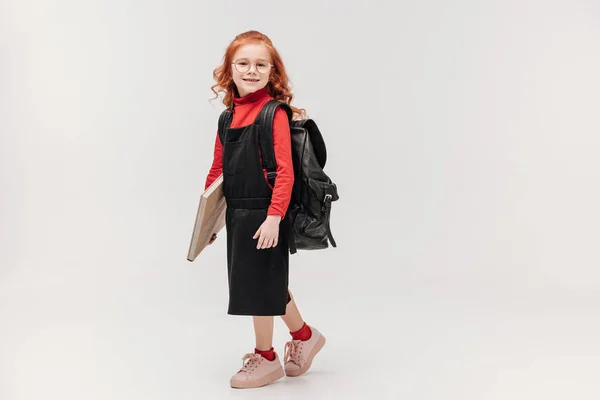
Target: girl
x=253, y=73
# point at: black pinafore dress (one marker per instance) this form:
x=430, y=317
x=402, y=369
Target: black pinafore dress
x=258, y=278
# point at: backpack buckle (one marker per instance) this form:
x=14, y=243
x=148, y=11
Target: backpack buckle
x=326, y=202
x=271, y=175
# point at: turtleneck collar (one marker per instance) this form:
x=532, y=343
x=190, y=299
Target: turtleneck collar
x=253, y=97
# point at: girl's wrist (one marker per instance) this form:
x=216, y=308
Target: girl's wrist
x=274, y=217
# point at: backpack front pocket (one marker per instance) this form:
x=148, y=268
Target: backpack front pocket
x=316, y=196
x=234, y=157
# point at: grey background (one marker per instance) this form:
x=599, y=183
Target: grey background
x=464, y=140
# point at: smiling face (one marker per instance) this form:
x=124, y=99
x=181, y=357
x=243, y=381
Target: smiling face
x=256, y=59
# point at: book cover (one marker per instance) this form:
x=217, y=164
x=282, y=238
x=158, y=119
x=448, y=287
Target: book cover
x=210, y=218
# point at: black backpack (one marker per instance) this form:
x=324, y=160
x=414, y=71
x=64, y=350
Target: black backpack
x=308, y=216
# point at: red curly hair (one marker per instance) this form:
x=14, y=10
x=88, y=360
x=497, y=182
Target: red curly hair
x=278, y=86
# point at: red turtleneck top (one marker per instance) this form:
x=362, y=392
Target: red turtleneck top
x=245, y=111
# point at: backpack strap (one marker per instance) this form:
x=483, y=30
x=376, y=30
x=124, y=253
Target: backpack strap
x=265, y=122
x=327, y=211
x=288, y=228
x=265, y=125
x=224, y=122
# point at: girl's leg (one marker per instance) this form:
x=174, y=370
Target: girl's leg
x=292, y=317
x=263, y=330
x=305, y=344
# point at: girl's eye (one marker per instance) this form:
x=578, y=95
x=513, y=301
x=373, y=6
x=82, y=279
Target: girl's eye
x=262, y=64
x=242, y=63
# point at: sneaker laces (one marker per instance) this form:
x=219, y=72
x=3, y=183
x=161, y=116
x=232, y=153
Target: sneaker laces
x=250, y=361
x=293, y=350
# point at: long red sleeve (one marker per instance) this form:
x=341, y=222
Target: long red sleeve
x=216, y=169
x=284, y=183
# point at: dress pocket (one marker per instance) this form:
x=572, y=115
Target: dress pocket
x=234, y=157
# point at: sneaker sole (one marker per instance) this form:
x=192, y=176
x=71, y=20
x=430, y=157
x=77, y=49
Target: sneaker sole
x=320, y=343
x=269, y=378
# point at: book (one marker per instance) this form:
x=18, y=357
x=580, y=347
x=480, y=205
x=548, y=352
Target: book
x=210, y=218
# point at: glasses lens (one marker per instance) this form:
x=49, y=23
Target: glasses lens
x=242, y=66
x=262, y=66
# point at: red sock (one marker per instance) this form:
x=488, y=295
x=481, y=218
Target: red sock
x=269, y=354
x=303, y=334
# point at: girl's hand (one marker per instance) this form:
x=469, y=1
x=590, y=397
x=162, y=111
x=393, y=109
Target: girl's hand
x=268, y=233
x=213, y=238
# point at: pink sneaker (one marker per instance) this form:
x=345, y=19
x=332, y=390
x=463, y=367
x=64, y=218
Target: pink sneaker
x=299, y=354
x=257, y=371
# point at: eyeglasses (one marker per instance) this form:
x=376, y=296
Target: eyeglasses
x=243, y=65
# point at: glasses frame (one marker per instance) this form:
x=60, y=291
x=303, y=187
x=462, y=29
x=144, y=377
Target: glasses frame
x=250, y=63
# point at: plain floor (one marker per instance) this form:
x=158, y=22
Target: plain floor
x=159, y=338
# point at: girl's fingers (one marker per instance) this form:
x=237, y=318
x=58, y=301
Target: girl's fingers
x=274, y=241
x=265, y=242
x=259, y=243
